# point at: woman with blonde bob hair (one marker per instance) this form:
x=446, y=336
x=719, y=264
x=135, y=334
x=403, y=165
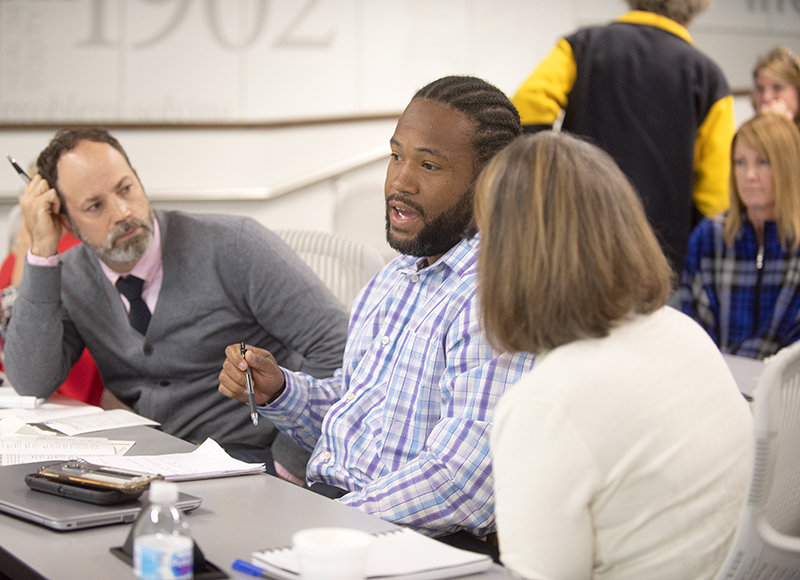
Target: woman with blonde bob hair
x=626, y=451
x=741, y=280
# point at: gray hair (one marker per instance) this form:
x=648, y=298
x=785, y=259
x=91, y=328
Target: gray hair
x=682, y=11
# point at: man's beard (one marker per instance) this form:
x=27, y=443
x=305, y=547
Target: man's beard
x=130, y=250
x=438, y=235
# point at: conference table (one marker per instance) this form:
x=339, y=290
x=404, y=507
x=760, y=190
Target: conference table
x=238, y=515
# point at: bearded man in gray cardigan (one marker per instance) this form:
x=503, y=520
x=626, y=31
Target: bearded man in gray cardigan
x=208, y=281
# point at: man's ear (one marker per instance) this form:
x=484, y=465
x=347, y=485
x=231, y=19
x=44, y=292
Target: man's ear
x=67, y=225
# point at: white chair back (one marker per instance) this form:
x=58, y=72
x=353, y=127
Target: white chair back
x=344, y=265
x=767, y=543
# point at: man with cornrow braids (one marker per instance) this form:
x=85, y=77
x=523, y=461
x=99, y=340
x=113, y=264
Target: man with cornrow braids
x=401, y=430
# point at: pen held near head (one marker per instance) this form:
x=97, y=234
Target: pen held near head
x=18, y=169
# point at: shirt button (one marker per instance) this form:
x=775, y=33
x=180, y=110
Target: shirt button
x=385, y=340
x=281, y=417
x=164, y=383
x=414, y=278
x=326, y=456
x=148, y=349
x=350, y=396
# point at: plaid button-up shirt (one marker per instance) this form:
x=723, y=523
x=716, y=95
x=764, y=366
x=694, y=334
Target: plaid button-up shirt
x=404, y=424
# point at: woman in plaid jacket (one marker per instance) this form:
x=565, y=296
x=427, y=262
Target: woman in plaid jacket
x=741, y=281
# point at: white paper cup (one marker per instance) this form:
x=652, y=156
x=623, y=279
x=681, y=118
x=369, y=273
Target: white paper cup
x=332, y=553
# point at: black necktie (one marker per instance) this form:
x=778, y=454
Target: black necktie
x=131, y=288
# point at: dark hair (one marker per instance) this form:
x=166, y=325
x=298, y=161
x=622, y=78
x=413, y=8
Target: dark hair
x=566, y=251
x=496, y=119
x=64, y=141
x=681, y=11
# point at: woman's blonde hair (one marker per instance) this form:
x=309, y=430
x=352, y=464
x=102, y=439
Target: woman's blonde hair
x=775, y=137
x=782, y=63
x=566, y=250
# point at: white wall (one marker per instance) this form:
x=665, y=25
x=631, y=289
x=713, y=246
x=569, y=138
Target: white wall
x=239, y=61
x=262, y=60
x=171, y=163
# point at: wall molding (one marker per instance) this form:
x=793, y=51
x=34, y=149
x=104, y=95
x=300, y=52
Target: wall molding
x=196, y=125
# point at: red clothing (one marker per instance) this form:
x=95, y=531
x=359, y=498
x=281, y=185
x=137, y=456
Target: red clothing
x=83, y=382
x=6, y=270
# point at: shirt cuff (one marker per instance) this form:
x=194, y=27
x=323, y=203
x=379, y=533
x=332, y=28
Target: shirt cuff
x=40, y=261
x=288, y=408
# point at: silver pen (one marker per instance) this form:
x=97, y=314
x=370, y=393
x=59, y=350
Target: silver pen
x=19, y=169
x=251, y=392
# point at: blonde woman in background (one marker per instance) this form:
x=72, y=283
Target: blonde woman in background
x=741, y=281
x=625, y=453
x=776, y=80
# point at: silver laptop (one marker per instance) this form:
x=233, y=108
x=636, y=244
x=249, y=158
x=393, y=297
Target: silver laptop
x=64, y=514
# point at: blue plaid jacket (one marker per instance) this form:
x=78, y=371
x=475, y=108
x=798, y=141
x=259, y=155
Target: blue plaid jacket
x=747, y=310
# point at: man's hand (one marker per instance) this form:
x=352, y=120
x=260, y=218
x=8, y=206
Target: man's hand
x=41, y=206
x=268, y=379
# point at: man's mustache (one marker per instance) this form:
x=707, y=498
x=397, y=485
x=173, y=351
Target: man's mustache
x=407, y=202
x=126, y=226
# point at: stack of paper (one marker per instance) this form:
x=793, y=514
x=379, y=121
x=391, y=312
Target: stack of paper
x=15, y=449
x=49, y=410
x=37, y=433
x=89, y=422
x=206, y=462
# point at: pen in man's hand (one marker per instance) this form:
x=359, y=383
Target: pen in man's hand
x=19, y=169
x=251, y=393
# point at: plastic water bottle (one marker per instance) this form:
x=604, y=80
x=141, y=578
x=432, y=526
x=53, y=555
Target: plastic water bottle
x=162, y=547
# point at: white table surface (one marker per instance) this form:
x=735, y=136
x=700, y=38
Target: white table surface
x=746, y=371
x=238, y=516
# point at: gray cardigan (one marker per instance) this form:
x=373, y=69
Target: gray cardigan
x=226, y=280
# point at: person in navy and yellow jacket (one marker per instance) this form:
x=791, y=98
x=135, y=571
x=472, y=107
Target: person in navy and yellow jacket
x=639, y=89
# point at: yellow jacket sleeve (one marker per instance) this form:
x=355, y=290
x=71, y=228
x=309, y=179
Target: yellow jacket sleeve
x=540, y=99
x=712, y=158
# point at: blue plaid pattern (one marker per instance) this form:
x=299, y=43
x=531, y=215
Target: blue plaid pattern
x=404, y=424
x=720, y=289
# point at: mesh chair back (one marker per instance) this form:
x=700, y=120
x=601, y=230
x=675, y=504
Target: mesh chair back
x=359, y=211
x=767, y=544
x=344, y=265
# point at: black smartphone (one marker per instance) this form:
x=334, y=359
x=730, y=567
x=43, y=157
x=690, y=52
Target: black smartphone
x=83, y=473
x=77, y=492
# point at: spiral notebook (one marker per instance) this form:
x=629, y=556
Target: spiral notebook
x=401, y=554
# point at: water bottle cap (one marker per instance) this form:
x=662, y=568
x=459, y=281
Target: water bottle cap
x=163, y=492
